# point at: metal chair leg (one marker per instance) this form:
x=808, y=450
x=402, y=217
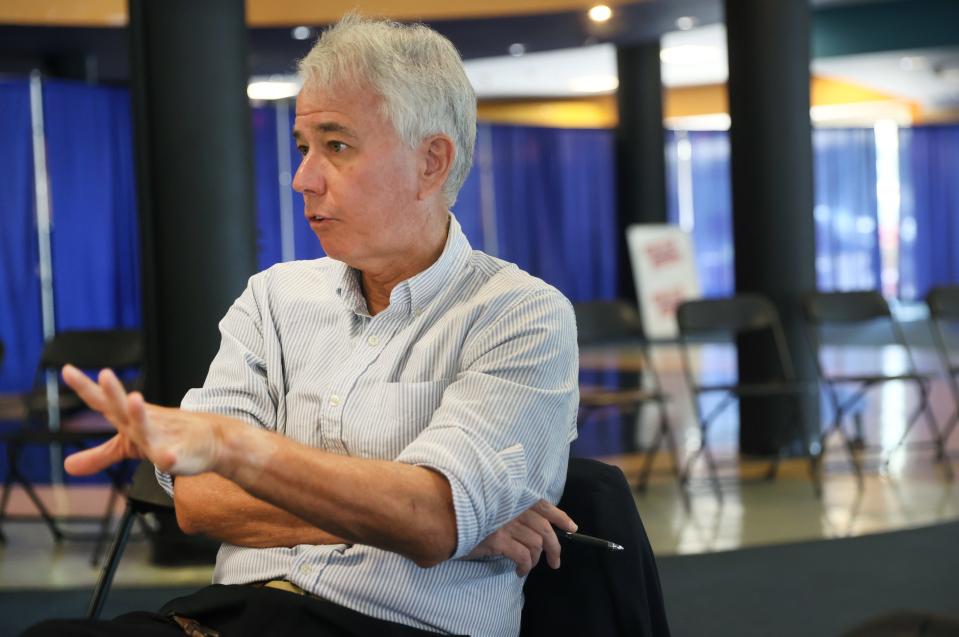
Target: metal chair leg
x=4, y=500
x=104, y=529
x=113, y=560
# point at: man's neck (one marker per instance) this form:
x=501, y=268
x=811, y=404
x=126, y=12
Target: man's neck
x=378, y=285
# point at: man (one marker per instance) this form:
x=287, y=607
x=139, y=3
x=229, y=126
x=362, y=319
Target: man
x=381, y=427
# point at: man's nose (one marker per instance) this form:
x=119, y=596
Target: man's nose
x=309, y=177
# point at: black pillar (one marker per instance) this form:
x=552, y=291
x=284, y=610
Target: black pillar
x=772, y=190
x=193, y=144
x=640, y=147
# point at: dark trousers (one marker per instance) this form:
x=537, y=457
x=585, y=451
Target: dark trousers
x=234, y=611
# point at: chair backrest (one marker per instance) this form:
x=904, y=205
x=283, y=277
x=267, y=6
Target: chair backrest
x=845, y=307
x=943, y=302
x=145, y=493
x=120, y=350
x=606, y=322
x=597, y=592
x=93, y=349
x=735, y=314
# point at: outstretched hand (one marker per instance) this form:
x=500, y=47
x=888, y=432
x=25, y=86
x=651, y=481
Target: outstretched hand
x=174, y=440
x=524, y=539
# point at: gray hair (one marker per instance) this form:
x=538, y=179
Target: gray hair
x=417, y=72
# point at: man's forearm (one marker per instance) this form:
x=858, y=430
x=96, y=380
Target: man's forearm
x=393, y=506
x=213, y=505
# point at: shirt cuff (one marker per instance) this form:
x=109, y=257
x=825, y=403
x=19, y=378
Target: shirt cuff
x=488, y=485
x=165, y=480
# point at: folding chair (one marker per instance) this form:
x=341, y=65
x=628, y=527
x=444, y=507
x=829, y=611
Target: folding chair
x=733, y=316
x=144, y=496
x=943, y=305
x=860, y=309
x=617, y=323
x=66, y=422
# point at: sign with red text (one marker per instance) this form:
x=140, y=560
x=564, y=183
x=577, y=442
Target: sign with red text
x=664, y=270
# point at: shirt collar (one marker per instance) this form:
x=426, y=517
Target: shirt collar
x=414, y=294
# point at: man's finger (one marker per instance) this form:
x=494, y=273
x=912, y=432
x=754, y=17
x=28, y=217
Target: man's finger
x=526, y=534
x=90, y=461
x=86, y=389
x=116, y=399
x=544, y=530
x=555, y=515
x=519, y=554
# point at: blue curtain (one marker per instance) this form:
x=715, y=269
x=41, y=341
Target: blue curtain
x=708, y=163
x=929, y=216
x=468, y=207
x=95, y=241
x=846, y=212
x=712, y=206
x=20, y=322
x=555, y=206
x=267, y=186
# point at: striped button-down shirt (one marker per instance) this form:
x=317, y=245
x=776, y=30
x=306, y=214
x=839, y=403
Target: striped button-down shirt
x=471, y=371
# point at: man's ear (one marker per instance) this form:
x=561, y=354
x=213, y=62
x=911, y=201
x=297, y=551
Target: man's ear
x=436, y=160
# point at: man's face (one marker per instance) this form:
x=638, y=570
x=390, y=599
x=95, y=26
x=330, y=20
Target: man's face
x=358, y=179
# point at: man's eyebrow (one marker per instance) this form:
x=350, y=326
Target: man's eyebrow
x=326, y=127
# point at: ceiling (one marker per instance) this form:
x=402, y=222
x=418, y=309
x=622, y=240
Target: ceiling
x=564, y=53
x=929, y=77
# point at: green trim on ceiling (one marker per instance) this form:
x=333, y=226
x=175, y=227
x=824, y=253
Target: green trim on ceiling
x=885, y=26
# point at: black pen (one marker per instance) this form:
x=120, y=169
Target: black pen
x=579, y=538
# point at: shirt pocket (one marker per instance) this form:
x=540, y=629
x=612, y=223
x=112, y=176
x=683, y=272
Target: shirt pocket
x=405, y=410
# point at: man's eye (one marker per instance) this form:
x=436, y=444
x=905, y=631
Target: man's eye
x=302, y=149
x=337, y=147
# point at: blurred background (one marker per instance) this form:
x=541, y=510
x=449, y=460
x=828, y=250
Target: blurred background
x=795, y=147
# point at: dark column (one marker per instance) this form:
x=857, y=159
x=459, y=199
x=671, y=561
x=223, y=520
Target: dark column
x=772, y=198
x=640, y=147
x=194, y=180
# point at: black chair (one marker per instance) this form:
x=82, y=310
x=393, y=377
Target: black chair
x=65, y=421
x=943, y=305
x=847, y=391
x=733, y=316
x=598, y=592
x=144, y=496
x=616, y=323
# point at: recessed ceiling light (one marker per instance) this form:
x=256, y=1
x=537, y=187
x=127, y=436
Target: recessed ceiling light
x=594, y=84
x=301, y=33
x=271, y=89
x=517, y=49
x=600, y=13
x=685, y=23
x=689, y=54
x=913, y=63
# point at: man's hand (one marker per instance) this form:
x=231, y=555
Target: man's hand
x=174, y=440
x=524, y=538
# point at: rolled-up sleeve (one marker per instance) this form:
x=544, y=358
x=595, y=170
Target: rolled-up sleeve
x=502, y=431
x=236, y=384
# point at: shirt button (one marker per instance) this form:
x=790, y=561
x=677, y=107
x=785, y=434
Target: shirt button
x=305, y=569
x=334, y=400
x=418, y=311
x=373, y=341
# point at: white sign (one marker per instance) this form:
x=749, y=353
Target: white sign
x=664, y=270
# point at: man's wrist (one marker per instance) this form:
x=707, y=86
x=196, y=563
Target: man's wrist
x=242, y=451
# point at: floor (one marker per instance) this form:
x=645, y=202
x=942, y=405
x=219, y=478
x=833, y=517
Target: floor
x=911, y=492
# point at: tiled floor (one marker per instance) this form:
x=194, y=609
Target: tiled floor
x=913, y=492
